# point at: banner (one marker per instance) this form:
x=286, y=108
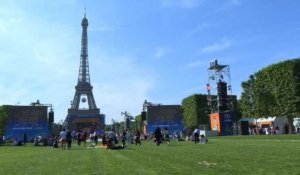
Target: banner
x=164, y=116
x=222, y=122
x=26, y=120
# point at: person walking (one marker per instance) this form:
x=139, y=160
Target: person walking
x=62, y=138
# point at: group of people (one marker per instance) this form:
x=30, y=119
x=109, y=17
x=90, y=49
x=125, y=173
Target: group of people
x=111, y=139
x=199, y=139
x=65, y=138
x=161, y=135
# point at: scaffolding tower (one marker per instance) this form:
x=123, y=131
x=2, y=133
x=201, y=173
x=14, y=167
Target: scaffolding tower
x=219, y=88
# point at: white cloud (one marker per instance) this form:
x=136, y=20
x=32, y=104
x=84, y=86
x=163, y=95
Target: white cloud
x=185, y=4
x=219, y=46
x=161, y=52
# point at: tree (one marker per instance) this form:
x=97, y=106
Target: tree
x=137, y=122
x=3, y=118
x=194, y=111
x=246, y=102
x=273, y=91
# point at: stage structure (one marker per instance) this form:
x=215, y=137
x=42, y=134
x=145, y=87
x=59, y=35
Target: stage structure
x=162, y=116
x=218, y=92
x=84, y=114
x=31, y=120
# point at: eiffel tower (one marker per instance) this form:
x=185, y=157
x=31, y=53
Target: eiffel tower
x=84, y=114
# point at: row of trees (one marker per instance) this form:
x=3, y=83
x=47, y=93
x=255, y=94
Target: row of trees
x=273, y=91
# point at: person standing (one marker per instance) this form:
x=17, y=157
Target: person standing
x=25, y=138
x=138, y=137
x=157, y=135
x=78, y=138
x=166, y=136
x=196, y=135
x=62, y=138
x=84, y=137
x=69, y=139
x=96, y=138
x=124, y=139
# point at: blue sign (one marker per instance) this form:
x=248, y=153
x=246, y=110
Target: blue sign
x=164, y=116
x=26, y=120
x=226, y=123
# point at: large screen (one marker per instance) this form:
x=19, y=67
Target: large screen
x=29, y=120
x=164, y=116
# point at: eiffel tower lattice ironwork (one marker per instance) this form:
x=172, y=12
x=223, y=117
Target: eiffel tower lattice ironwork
x=84, y=114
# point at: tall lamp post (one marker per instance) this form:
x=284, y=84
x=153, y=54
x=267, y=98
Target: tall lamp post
x=127, y=119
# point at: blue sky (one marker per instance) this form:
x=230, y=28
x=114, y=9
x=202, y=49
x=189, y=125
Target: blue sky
x=157, y=50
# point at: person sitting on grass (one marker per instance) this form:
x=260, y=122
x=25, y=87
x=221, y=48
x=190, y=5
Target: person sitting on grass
x=203, y=139
x=55, y=141
x=104, y=140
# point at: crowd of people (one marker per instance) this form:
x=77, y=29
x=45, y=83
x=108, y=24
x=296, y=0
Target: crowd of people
x=115, y=140
x=112, y=139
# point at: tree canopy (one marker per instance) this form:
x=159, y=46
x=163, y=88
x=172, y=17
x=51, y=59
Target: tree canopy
x=3, y=118
x=273, y=91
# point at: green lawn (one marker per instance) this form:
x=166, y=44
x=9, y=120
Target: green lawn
x=222, y=155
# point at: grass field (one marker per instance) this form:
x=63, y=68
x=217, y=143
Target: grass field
x=278, y=154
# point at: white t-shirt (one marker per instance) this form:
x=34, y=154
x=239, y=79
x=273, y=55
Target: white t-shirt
x=63, y=135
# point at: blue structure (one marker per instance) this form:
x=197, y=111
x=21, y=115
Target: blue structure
x=226, y=123
x=164, y=116
x=29, y=120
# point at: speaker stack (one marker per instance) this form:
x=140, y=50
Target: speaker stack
x=222, y=96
